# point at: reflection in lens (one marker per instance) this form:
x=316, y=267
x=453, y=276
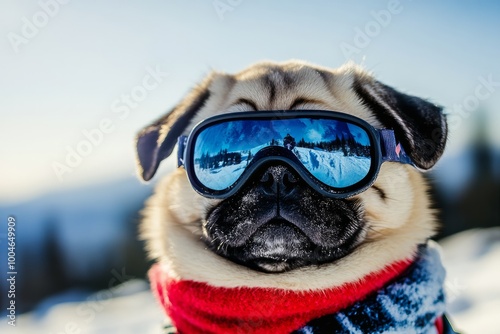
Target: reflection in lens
x=334, y=168
x=335, y=152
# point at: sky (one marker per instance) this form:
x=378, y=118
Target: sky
x=86, y=76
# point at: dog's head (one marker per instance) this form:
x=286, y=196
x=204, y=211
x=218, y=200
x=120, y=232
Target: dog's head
x=276, y=222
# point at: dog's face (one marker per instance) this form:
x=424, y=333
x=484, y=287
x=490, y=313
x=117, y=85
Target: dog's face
x=276, y=222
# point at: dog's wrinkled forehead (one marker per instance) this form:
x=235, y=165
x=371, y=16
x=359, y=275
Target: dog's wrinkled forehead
x=289, y=86
x=420, y=125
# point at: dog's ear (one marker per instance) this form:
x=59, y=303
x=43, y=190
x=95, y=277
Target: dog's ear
x=419, y=125
x=156, y=141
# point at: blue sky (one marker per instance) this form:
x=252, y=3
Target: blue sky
x=71, y=76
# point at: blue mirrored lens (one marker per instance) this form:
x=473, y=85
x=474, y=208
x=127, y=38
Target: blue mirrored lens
x=335, y=152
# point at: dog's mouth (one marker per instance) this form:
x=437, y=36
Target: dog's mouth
x=277, y=246
x=283, y=230
x=280, y=245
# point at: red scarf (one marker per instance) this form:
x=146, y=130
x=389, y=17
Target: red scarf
x=196, y=307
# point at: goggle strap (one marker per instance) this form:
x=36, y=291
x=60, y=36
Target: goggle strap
x=181, y=144
x=392, y=150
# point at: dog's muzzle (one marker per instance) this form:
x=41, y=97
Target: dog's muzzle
x=277, y=223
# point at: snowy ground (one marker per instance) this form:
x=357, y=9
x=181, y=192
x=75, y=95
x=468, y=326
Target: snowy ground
x=126, y=309
x=332, y=168
x=472, y=260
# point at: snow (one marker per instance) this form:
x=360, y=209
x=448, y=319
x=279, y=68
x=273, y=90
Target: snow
x=472, y=260
x=222, y=177
x=131, y=309
x=331, y=168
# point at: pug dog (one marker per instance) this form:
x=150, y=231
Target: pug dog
x=295, y=225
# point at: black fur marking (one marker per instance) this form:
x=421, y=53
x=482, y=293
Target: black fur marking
x=250, y=103
x=178, y=125
x=301, y=100
x=271, y=87
x=325, y=76
x=380, y=192
x=288, y=80
x=423, y=129
x=149, y=153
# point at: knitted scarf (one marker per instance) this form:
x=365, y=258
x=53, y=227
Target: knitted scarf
x=404, y=297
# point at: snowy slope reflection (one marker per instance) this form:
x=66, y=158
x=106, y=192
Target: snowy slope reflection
x=335, y=152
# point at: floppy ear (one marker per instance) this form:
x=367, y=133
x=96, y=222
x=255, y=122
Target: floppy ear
x=156, y=141
x=419, y=125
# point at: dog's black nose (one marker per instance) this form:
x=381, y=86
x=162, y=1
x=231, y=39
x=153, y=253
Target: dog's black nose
x=278, y=180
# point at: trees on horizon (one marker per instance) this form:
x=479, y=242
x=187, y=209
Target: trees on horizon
x=221, y=159
x=349, y=146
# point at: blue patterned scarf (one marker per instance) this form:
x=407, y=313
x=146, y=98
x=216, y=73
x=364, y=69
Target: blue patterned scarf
x=410, y=304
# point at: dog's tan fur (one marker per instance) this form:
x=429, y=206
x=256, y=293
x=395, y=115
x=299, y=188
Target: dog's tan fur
x=396, y=224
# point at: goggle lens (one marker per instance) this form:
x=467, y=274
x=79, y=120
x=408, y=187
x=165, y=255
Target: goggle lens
x=335, y=152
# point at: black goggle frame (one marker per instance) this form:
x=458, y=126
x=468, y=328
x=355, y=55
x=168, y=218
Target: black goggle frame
x=383, y=145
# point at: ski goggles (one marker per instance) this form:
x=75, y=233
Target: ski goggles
x=337, y=154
